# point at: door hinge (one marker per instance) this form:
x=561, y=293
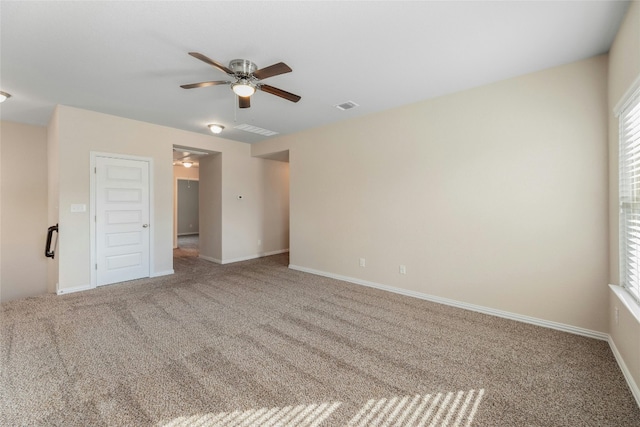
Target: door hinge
x=95, y=170
x=96, y=266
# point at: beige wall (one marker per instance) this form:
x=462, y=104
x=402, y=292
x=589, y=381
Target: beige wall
x=80, y=131
x=494, y=196
x=274, y=177
x=53, y=185
x=259, y=220
x=240, y=217
x=23, y=221
x=210, y=208
x=624, y=69
x=180, y=172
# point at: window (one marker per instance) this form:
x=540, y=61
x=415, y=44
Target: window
x=629, y=165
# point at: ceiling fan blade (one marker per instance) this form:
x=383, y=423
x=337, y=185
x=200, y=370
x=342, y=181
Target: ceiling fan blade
x=272, y=70
x=244, y=101
x=204, y=84
x=279, y=92
x=210, y=61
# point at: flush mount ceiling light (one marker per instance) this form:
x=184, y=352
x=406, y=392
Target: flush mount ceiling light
x=216, y=128
x=243, y=88
x=187, y=164
x=4, y=96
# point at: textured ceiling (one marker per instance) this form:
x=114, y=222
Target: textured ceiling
x=130, y=58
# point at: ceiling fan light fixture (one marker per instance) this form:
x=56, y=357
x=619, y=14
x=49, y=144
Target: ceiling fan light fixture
x=187, y=164
x=243, y=88
x=216, y=128
x=4, y=96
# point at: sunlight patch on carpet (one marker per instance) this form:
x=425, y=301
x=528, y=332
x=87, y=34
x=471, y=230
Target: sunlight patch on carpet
x=301, y=415
x=450, y=409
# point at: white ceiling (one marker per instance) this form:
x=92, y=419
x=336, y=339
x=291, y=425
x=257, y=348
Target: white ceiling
x=129, y=58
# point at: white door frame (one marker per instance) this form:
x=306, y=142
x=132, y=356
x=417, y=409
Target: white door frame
x=92, y=209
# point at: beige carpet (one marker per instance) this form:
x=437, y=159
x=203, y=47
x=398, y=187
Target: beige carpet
x=257, y=344
x=189, y=245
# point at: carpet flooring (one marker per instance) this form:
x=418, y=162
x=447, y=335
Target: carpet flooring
x=257, y=344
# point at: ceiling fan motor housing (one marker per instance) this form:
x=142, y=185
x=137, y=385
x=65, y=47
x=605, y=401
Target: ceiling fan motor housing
x=242, y=67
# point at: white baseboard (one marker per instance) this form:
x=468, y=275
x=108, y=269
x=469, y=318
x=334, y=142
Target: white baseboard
x=74, y=289
x=278, y=252
x=162, y=273
x=245, y=258
x=635, y=390
x=206, y=258
x=459, y=304
x=89, y=287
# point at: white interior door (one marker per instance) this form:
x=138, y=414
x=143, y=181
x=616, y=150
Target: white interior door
x=122, y=220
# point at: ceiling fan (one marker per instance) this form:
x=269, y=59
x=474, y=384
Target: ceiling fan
x=246, y=79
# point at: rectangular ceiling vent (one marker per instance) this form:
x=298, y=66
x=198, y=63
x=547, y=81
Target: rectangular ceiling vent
x=347, y=105
x=255, y=129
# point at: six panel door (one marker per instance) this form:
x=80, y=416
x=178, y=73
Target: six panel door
x=122, y=220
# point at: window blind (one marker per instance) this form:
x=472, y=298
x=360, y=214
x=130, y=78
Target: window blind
x=629, y=166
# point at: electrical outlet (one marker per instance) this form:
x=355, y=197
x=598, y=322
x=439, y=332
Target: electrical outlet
x=363, y=262
x=616, y=314
x=403, y=269
x=259, y=242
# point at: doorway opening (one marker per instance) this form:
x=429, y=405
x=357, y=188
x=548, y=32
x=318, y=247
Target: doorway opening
x=193, y=191
x=188, y=222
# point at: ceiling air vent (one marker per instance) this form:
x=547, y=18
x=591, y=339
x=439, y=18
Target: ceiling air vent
x=255, y=129
x=347, y=105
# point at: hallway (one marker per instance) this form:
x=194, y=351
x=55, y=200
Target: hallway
x=187, y=246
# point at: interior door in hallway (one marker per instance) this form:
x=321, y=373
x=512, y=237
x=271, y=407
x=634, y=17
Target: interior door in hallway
x=122, y=220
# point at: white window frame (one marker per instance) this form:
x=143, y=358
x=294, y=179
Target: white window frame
x=628, y=113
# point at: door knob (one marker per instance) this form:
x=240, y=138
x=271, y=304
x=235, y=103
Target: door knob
x=145, y=225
